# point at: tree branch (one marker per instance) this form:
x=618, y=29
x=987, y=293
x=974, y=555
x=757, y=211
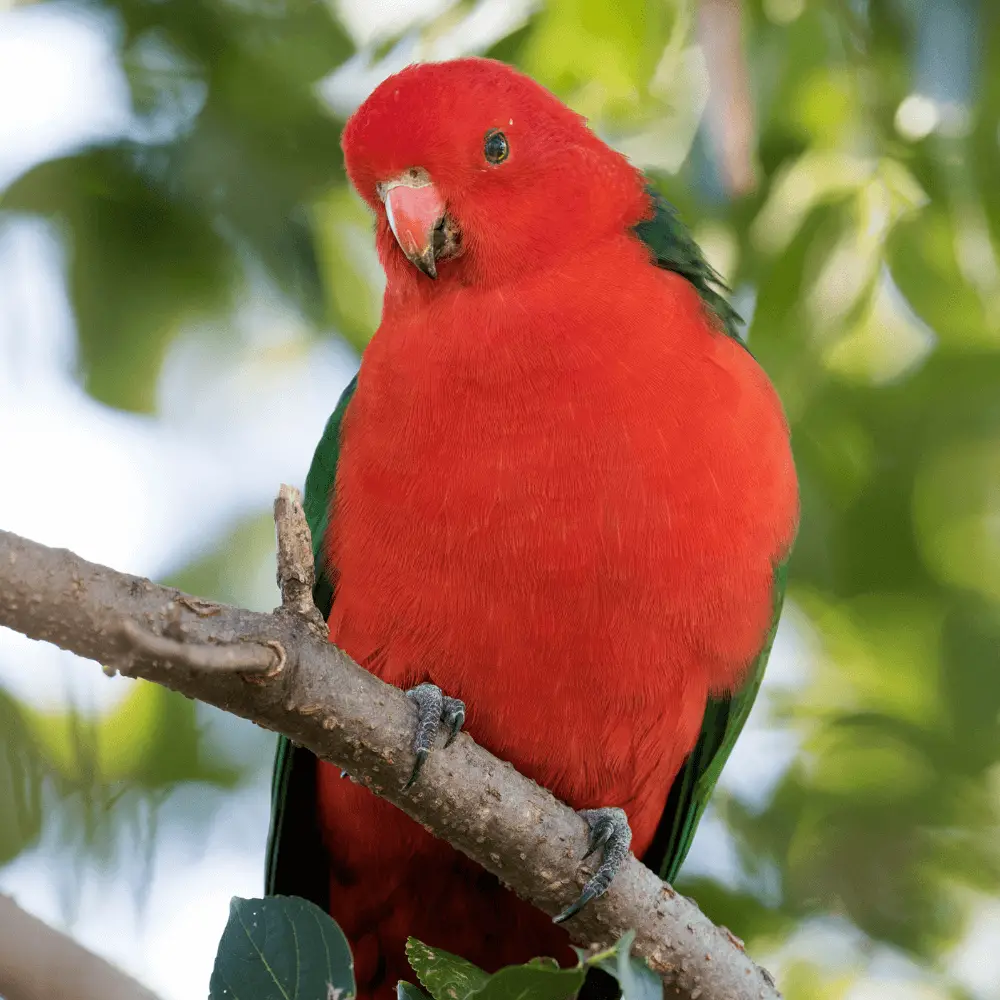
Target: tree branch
x=279, y=671
x=39, y=963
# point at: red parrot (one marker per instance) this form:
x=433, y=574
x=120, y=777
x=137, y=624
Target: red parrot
x=555, y=505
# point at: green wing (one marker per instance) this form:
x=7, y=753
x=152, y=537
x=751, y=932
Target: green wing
x=693, y=786
x=674, y=248
x=320, y=481
x=296, y=862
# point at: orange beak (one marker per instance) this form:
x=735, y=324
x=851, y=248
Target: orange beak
x=414, y=210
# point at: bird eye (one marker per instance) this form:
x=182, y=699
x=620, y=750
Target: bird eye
x=496, y=149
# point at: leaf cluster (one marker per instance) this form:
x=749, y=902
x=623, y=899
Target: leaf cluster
x=285, y=948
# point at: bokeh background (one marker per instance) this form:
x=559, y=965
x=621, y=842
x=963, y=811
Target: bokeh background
x=186, y=282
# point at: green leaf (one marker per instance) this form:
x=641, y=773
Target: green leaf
x=637, y=980
x=443, y=975
x=539, y=982
x=447, y=977
x=281, y=948
x=544, y=962
x=407, y=991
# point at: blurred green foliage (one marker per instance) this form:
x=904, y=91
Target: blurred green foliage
x=867, y=261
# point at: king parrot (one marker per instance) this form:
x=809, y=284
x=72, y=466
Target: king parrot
x=555, y=504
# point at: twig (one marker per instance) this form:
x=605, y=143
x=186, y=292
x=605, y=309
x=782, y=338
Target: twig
x=39, y=963
x=244, y=657
x=345, y=715
x=296, y=575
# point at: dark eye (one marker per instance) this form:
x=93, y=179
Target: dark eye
x=495, y=146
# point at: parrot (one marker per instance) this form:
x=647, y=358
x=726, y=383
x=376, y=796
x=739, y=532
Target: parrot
x=555, y=505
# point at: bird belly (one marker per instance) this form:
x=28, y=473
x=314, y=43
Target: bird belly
x=539, y=612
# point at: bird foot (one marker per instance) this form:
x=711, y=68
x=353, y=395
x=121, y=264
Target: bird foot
x=434, y=710
x=610, y=834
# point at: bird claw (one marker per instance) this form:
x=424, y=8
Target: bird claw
x=434, y=710
x=610, y=834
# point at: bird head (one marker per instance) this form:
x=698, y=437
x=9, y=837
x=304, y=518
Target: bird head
x=478, y=175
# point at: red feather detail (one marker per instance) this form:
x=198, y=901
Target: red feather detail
x=562, y=500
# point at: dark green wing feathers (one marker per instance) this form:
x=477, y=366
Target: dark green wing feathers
x=674, y=249
x=296, y=861
x=692, y=788
x=320, y=481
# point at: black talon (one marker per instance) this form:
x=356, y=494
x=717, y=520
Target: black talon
x=600, y=833
x=571, y=911
x=610, y=833
x=434, y=709
x=418, y=764
x=453, y=717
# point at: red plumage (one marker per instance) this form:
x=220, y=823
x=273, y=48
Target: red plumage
x=560, y=496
